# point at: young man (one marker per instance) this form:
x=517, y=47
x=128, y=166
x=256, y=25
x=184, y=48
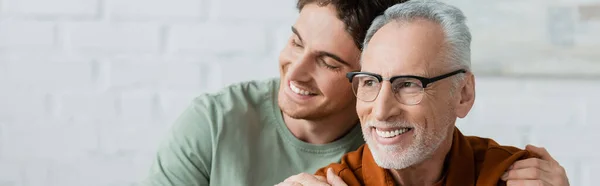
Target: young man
x=260, y=132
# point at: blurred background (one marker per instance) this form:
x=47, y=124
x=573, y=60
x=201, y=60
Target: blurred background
x=89, y=87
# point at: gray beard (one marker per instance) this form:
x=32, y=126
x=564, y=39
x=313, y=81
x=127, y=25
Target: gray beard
x=397, y=157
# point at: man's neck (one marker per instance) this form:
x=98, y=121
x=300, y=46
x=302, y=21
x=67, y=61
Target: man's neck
x=322, y=131
x=427, y=172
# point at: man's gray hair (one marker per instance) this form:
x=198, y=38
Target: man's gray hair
x=452, y=20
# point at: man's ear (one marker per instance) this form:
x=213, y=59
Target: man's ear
x=466, y=94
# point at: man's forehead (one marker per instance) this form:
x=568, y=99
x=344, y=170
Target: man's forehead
x=321, y=30
x=418, y=33
x=404, y=48
x=315, y=21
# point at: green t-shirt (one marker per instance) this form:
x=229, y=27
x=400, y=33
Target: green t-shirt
x=237, y=137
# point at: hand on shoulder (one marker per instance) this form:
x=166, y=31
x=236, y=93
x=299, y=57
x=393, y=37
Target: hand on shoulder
x=544, y=171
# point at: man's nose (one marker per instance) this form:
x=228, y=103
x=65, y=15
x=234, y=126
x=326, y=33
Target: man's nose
x=385, y=106
x=300, y=69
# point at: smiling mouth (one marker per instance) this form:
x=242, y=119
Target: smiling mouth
x=300, y=91
x=391, y=133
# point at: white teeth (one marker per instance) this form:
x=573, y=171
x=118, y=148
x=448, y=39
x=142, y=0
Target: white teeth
x=389, y=134
x=298, y=90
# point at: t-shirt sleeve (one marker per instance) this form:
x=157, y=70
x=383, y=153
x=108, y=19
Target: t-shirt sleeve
x=184, y=157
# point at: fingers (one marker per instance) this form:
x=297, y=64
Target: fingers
x=536, y=171
x=333, y=179
x=531, y=163
x=299, y=177
x=309, y=179
x=541, y=152
x=304, y=179
x=531, y=173
x=321, y=178
x=527, y=183
x=289, y=184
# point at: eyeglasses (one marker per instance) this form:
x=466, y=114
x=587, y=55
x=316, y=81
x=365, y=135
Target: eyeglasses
x=407, y=89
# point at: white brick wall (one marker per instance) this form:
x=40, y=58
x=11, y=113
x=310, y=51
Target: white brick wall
x=89, y=87
x=49, y=76
x=26, y=35
x=156, y=9
x=55, y=8
x=114, y=37
x=218, y=39
x=256, y=11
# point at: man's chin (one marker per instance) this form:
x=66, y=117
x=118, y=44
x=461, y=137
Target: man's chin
x=295, y=111
x=301, y=114
x=389, y=150
x=395, y=160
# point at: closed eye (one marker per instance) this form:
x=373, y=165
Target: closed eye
x=296, y=43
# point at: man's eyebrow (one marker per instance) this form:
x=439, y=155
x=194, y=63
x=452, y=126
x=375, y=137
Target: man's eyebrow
x=337, y=58
x=296, y=32
x=323, y=53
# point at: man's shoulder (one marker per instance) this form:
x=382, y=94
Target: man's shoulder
x=483, y=147
x=232, y=106
x=493, y=159
x=242, y=94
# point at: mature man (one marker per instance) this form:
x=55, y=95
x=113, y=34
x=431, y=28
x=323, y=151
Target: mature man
x=260, y=132
x=414, y=82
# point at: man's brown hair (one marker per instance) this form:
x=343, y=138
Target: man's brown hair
x=357, y=15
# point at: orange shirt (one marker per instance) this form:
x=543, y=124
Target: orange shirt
x=471, y=161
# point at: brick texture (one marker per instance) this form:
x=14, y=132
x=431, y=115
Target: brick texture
x=26, y=35
x=218, y=39
x=157, y=9
x=270, y=10
x=114, y=38
x=40, y=8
